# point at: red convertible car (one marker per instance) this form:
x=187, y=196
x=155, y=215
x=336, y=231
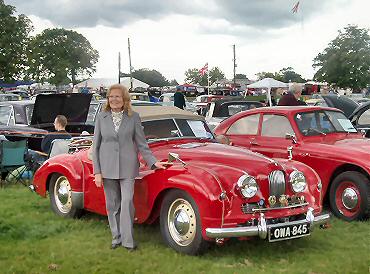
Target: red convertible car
x=321, y=137
x=212, y=191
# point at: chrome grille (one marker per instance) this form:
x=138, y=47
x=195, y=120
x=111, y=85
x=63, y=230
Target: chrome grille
x=276, y=183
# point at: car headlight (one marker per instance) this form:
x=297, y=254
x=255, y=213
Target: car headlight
x=297, y=181
x=247, y=185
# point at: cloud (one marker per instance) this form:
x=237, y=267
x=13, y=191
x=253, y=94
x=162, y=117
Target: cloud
x=241, y=15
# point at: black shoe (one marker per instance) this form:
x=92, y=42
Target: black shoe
x=114, y=246
x=131, y=249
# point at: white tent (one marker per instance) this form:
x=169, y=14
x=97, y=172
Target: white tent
x=96, y=83
x=268, y=83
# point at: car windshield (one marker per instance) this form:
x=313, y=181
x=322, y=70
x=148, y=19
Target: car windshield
x=323, y=122
x=6, y=115
x=93, y=110
x=171, y=128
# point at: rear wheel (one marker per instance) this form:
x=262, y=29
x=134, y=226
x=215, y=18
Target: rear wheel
x=60, y=193
x=180, y=223
x=350, y=196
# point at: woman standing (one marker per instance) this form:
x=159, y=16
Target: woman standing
x=118, y=136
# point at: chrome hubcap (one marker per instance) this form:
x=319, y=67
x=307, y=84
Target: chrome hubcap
x=349, y=198
x=182, y=222
x=63, y=194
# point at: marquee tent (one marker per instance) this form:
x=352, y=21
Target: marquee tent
x=268, y=83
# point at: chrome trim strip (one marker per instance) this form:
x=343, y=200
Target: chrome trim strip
x=260, y=230
x=276, y=208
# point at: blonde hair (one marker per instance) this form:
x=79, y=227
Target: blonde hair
x=125, y=95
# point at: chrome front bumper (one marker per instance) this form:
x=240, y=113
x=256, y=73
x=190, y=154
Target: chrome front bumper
x=262, y=228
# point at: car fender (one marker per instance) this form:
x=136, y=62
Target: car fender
x=67, y=164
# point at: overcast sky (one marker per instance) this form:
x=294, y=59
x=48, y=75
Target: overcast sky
x=172, y=36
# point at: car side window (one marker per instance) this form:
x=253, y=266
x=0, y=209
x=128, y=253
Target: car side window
x=276, y=126
x=159, y=128
x=245, y=126
x=364, y=119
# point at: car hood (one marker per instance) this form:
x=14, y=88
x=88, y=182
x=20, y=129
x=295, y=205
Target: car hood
x=342, y=146
x=226, y=156
x=75, y=106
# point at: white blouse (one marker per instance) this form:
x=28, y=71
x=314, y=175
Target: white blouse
x=117, y=119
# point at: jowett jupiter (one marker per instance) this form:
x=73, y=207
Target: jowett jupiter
x=212, y=192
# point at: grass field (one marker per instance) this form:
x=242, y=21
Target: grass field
x=34, y=240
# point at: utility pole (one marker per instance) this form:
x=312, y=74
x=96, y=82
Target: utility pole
x=234, y=60
x=129, y=58
x=119, y=67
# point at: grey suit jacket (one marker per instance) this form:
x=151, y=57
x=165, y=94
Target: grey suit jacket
x=115, y=154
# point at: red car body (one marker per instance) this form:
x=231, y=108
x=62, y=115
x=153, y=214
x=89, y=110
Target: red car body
x=206, y=184
x=340, y=157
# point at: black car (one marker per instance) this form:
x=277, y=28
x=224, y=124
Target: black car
x=32, y=120
x=360, y=118
x=343, y=103
x=219, y=110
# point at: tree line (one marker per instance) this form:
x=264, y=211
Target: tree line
x=62, y=56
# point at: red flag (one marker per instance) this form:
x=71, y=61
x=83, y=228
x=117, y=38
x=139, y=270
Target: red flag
x=295, y=7
x=204, y=69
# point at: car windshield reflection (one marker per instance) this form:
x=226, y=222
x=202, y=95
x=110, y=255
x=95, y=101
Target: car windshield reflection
x=176, y=128
x=323, y=122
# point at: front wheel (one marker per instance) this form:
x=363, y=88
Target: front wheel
x=60, y=193
x=180, y=223
x=350, y=196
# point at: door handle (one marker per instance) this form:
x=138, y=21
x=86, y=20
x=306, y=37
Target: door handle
x=306, y=154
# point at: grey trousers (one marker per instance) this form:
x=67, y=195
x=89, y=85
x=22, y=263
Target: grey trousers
x=120, y=208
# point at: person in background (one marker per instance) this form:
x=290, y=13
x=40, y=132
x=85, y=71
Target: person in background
x=118, y=137
x=292, y=97
x=179, y=99
x=60, y=132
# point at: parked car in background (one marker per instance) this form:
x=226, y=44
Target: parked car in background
x=212, y=192
x=9, y=97
x=167, y=99
x=360, y=118
x=96, y=97
x=202, y=101
x=321, y=137
x=23, y=94
x=341, y=102
x=32, y=120
x=219, y=110
x=139, y=96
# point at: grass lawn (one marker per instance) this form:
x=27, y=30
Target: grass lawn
x=34, y=240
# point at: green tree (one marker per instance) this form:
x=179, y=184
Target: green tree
x=193, y=76
x=345, y=62
x=240, y=76
x=152, y=77
x=289, y=75
x=14, y=31
x=61, y=56
x=173, y=82
x=264, y=74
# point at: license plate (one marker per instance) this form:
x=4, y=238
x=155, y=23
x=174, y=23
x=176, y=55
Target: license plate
x=281, y=232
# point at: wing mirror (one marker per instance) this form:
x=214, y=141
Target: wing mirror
x=291, y=137
x=172, y=157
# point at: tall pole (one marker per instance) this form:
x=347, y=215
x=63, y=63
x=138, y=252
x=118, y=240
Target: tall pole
x=234, y=60
x=119, y=67
x=129, y=58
